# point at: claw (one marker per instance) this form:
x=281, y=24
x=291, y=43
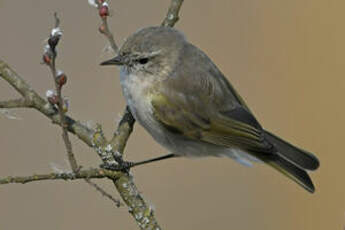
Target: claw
x=123, y=166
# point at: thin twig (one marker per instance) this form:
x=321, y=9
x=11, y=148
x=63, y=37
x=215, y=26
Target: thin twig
x=71, y=158
x=104, y=27
x=104, y=193
x=173, y=13
x=57, y=20
x=109, y=35
x=82, y=174
x=127, y=116
x=58, y=86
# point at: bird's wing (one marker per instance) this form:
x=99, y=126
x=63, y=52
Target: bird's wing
x=222, y=129
x=198, y=102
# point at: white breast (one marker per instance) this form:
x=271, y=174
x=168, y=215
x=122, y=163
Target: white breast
x=135, y=92
x=133, y=89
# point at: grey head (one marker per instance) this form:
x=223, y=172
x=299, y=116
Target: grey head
x=150, y=51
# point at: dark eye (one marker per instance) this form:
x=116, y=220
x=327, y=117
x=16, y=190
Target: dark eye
x=143, y=60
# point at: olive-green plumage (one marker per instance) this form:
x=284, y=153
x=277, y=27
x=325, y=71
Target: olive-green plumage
x=181, y=98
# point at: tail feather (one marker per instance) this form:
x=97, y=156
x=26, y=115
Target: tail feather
x=295, y=173
x=299, y=157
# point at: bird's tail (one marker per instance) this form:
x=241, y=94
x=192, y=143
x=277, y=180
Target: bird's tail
x=298, y=157
x=292, y=161
x=295, y=173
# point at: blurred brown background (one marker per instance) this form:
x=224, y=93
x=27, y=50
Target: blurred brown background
x=286, y=58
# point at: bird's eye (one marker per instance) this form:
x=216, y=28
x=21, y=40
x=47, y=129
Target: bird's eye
x=143, y=60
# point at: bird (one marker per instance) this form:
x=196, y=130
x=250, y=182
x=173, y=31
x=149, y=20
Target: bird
x=181, y=98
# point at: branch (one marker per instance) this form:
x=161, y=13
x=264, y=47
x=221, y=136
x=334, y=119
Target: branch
x=123, y=131
x=82, y=174
x=16, y=103
x=37, y=102
x=172, y=16
x=60, y=80
x=15, y=81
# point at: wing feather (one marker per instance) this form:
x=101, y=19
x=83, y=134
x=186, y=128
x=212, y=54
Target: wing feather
x=218, y=130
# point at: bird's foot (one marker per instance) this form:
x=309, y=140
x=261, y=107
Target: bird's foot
x=123, y=166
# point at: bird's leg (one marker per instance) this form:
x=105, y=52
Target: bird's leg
x=126, y=165
x=167, y=156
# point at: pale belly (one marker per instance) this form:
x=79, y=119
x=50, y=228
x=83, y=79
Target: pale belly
x=139, y=102
x=134, y=91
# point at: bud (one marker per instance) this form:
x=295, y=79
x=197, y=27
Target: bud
x=103, y=10
x=48, y=55
x=52, y=97
x=101, y=29
x=53, y=41
x=46, y=59
x=61, y=78
x=56, y=32
x=50, y=93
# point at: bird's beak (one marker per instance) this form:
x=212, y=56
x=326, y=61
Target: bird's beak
x=118, y=60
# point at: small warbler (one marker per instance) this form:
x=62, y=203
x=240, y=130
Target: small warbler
x=182, y=99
